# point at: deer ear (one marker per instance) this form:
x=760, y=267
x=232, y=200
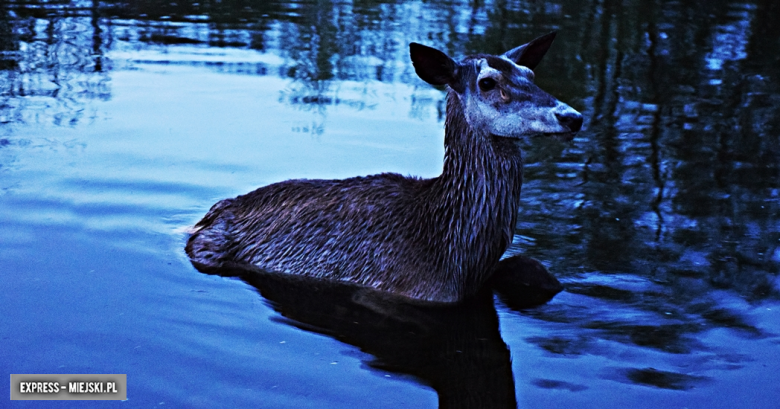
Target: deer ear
x=530, y=54
x=432, y=65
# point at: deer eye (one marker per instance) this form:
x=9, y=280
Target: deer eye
x=486, y=84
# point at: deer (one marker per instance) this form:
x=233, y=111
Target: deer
x=435, y=240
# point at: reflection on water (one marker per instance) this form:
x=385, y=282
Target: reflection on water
x=458, y=350
x=50, y=66
x=661, y=217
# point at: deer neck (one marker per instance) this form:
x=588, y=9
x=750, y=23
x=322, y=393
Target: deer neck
x=475, y=200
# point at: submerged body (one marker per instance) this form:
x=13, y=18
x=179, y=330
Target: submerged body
x=427, y=239
x=416, y=237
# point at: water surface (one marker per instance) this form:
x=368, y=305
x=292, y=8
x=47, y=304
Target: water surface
x=121, y=123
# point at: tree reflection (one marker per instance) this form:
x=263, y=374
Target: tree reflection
x=52, y=62
x=674, y=180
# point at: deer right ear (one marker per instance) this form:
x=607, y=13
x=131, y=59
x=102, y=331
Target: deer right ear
x=530, y=54
x=432, y=65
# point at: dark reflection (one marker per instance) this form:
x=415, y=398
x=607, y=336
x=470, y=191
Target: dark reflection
x=553, y=384
x=661, y=379
x=457, y=350
x=52, y=53
x=677, y=185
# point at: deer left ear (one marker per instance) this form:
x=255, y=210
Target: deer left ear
x=531, y=54
x=432, y=65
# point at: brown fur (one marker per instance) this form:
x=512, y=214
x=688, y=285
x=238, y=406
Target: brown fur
x=427, y=239
x=431, y=239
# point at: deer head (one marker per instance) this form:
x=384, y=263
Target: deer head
x=497, y=93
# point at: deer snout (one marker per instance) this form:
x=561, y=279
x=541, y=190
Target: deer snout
x=571, y=120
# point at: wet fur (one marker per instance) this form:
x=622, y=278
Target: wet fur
x=434, y=239
x=429, y=239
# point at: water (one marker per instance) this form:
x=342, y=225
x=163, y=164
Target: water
x=122, y=123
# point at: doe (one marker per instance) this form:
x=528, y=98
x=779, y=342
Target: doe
x=436, y=239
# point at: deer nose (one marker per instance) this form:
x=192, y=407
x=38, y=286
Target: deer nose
x=571, y=120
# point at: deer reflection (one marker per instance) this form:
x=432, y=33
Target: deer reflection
x=455, y=349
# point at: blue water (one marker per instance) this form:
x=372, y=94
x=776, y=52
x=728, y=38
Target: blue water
x=660, y=218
